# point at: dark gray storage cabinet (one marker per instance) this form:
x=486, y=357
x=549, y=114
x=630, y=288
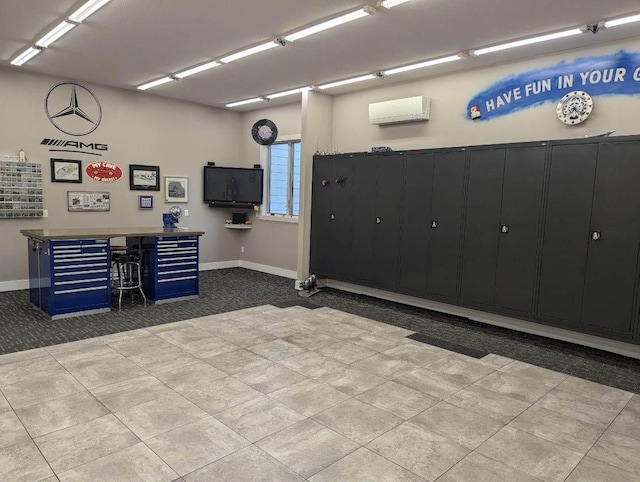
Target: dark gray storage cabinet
x=502, y=221
x=445, y=227
x=549, y=232
x=378, y=197
x=566, y=231
x=611, y=281
x=416, y=222
x=331, y=223
x=589, y=272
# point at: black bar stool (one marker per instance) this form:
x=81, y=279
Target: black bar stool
x=127, y=266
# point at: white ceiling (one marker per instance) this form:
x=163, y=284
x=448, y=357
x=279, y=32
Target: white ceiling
x=130, y=42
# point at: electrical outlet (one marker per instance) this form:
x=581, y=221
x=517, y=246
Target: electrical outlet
x=242, y=249
x=186, y=213
x=45, y=213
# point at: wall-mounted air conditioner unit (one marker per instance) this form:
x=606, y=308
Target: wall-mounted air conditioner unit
x=411, y=109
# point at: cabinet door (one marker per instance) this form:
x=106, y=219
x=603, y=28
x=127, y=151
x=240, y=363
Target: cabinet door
x=445, y=225
x=320, y=215
x=520, y=213
x=566, y=232
x=482, y=225
x=363, y=226
x=389, y=200
x=612, y=262
x=418, y=183
x=339, y=247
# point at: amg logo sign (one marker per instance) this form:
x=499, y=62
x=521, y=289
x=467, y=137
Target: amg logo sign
x=74, y=146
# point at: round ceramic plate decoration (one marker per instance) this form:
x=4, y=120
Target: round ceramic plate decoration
x=264, y=132
x=574, y=107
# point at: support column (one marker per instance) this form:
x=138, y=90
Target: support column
x=316, y=135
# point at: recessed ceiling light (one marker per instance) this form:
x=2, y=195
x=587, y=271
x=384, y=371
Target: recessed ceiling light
x=334, y=22
x=197, y=70
x=527, y=41
x=251, y=51
x=55, y=33
x=421, y=65
x=388, y=4
x=245, y=102
x=25, y=56
x=156, y=83
x=621, y=21
x=348, y=81
x=288, y=92
x=87, y=9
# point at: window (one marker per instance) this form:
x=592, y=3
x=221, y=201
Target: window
x=284, y=178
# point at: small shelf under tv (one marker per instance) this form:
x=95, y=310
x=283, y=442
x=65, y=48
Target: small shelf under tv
x=238, y=226
x=231, y=205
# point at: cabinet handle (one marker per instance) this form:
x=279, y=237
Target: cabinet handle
x=332, y=217
x=596, y=235
x=504, y=229
x=434, y=224
x=378, y=220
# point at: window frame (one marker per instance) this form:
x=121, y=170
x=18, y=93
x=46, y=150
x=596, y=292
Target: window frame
x=266, y=161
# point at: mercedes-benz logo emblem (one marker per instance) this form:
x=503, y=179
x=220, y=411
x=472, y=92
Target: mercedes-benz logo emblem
x=73, y=109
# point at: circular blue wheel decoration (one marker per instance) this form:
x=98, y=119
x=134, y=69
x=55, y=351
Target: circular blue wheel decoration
x=264, y=132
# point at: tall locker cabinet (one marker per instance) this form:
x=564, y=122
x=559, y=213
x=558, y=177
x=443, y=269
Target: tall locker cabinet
x=482, y=222
x=445, y=225
x=416, y=221
x=611, y=279
x=522, y=193
x=377, y=209
x=332, y=188
x=566, y=231
x=502, y=221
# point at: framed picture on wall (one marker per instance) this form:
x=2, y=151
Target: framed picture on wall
x=145, y=202
x=176, y=189
x=78, y=201
x=66, y=170
x=144, y=178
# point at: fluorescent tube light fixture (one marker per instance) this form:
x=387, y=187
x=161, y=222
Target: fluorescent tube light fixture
x=334, y=22
x=288, y=92
x=527, y=41
x=245, y=102
x=197, y=70
x=348, y=81
x=621, y=21
x=421, y=65
x=55, y=33
x=156, y=83
x=89, y=8
x=25, y=56
x=388, y=4
x=253, y=50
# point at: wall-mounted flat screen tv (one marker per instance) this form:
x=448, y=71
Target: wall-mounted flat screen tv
x=232, y=186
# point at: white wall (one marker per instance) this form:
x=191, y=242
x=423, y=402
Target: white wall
x=139, y=128
x=181, y=137
x=269, y=243
x=450, y=94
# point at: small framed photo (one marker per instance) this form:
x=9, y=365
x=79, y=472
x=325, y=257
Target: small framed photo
x=176, y=189
x=145, y=202
x=78, y=201
x=66, y=170
x=144, y=178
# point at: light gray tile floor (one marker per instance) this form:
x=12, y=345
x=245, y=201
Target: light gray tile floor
x=294, y=394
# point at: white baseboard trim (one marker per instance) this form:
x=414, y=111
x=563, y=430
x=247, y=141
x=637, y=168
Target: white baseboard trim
x=233, y=263
x=21, y=284
x=613, y=346
x=285, y=273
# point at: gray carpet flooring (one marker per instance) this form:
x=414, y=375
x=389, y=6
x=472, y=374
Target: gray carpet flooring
x=22, y=326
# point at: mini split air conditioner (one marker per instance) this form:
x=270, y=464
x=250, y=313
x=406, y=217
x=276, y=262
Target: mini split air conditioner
x=411, y=109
